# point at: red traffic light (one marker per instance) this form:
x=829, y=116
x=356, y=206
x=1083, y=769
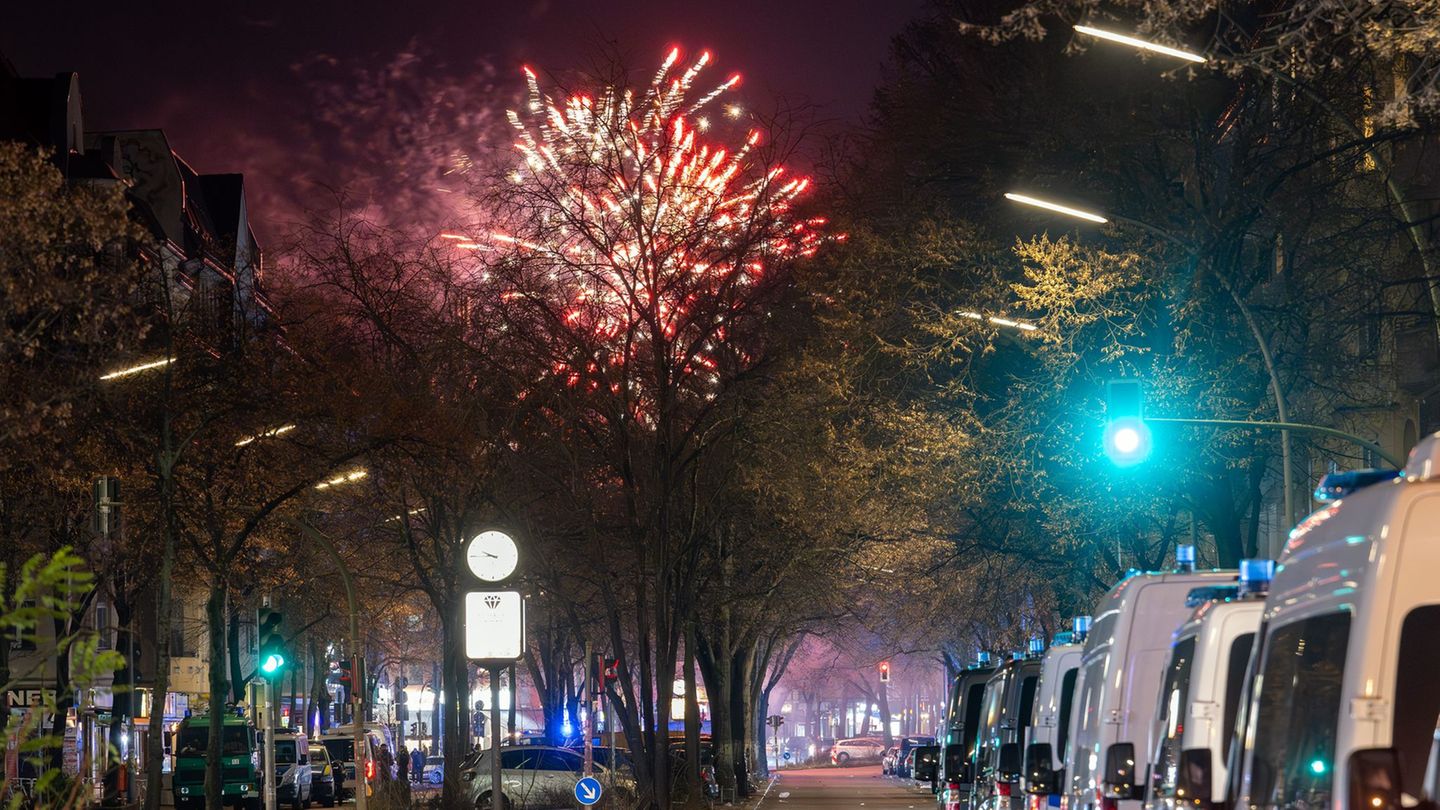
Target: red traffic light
x=884, y=671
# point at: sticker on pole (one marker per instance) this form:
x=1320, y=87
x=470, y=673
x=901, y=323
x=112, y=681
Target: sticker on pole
x=587, y=791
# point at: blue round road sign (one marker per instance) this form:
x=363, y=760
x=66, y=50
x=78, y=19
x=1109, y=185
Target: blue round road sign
x=587, y=791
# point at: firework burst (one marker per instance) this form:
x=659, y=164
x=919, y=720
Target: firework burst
x=638, y=226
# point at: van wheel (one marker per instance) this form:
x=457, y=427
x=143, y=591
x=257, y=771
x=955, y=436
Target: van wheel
x=842, y=757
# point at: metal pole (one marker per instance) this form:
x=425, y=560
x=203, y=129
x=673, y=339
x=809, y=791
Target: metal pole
x=1297, y=427
x=610, y=726
x=357, y=668
x=497, y=793
x=269, y=725
x=590, y=713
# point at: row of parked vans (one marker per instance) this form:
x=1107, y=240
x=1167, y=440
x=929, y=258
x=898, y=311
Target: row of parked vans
x=1312, y=682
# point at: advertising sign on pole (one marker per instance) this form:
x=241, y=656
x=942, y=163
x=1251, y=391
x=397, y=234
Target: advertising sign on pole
x=494, y=625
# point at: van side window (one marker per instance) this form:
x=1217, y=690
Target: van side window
x=1417, y=701
x=1174, y=699
x=1235, y=684
x=1067, y=700
x=1027, y=703
x=1297, y=713
x=974, y=700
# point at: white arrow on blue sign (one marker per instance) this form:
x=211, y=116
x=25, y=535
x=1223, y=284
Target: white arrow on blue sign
x=587, y=791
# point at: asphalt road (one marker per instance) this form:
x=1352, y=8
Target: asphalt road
x=827, y=788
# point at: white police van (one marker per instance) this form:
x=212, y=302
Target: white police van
x=1201, y=695
x=1346, y=688
x=1050, y=725
x=1124, y=658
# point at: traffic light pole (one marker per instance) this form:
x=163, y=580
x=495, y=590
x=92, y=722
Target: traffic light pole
x=358, y=671
x=269, y=714
x=1296, y=427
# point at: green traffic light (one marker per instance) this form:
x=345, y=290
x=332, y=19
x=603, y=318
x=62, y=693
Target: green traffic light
x=272, y=663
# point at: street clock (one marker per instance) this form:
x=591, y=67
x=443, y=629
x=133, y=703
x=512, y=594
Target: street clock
x=492, y=556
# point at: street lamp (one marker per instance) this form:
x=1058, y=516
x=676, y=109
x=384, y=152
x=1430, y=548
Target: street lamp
x=997, y=321
x=1025, y=199
x=1141, y=44
x=138, y=368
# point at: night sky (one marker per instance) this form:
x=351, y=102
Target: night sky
x=308, y=96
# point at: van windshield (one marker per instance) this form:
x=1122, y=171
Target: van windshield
x=340, y=749
x=284, y=752
x=1171, y=723
x=234, y=740
x=1297, y=712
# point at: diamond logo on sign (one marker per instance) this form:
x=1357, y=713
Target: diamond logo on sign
x=494, y=625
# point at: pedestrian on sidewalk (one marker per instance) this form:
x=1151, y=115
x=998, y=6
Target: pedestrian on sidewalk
x=404, y=762
x=417, y=764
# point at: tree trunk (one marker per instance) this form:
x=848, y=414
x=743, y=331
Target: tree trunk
x=319, y=695
x=455, y=711
x=155, y=734
x=215, y=629
x=693, y=787
x=715, y=670
x=740, y=717
x=232, y=641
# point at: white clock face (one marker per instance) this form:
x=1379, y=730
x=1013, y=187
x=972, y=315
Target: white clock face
x=492, y=556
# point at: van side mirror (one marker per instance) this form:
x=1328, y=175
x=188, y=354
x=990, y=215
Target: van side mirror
x=1375, y=779
x=1192, y=779
x=1120, y=776
x=1009, y=770
x=1040, y=777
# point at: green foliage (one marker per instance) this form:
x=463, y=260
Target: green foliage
x=50, y=587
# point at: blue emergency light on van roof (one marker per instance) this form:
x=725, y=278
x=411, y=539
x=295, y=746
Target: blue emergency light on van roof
x=1080, y=628
x=1185, y=557
x=1337, y=485
x=1255, y=576
x=1036, y=646
x=982, y=659
x=1063, y=637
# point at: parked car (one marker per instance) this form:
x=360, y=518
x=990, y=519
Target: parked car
x=1123, y=662
x=322, y=777
x=1050, y=723
x=902, y=750
x=532, y=776
x=1204, y=679
x=434, y=770
x=962, y=724
x=340, y=742
x=889, y=761
x=292, y=768
x=1342, y=705
x=856, y=748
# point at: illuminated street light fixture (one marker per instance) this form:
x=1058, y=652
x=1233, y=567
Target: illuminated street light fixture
x=1141, y=44
x=343, y=478
x=1025, y=199
x=265, y=434
x=998, y=321
x=126, y=372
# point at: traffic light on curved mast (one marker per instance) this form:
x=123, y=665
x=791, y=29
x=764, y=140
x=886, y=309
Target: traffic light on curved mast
x=272, y=643
x=1127, y=437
